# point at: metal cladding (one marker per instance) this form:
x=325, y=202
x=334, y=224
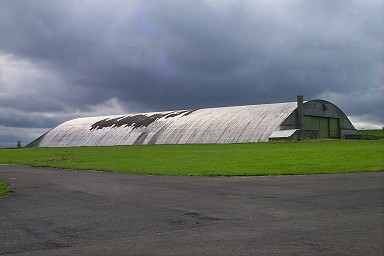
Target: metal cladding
x=240, y=124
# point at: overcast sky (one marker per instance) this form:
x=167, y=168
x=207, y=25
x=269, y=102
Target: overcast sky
x=64, y=59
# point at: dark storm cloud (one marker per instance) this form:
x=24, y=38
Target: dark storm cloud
x=76, y=58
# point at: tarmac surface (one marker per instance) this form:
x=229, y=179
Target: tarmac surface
x=60, y=212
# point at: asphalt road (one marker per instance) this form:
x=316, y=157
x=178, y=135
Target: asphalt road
x=59, y=212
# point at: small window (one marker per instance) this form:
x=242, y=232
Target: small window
x=325, y=107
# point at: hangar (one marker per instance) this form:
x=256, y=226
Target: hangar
x=240, y=124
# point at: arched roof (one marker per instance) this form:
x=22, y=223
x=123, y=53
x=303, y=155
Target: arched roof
x=240, y=124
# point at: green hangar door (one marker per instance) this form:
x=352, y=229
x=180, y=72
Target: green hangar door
x=324, y=127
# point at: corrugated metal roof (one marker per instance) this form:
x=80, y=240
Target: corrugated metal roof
x=240, y=124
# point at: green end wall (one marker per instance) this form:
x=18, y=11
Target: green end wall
x=326, y=127
x=322, y=119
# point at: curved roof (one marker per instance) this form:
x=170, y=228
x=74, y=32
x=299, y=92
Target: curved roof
x=240, y=124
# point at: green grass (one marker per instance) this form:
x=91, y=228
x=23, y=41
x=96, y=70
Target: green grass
x=4, y=189
x=308, y=157
x=377, y=133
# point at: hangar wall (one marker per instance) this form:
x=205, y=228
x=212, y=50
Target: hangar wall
x=322, y=119
x=240, y=124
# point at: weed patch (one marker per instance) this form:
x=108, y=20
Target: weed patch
x=4, y=189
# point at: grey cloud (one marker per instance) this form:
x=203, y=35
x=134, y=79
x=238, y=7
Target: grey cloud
x=12, y=118
x=164, y=55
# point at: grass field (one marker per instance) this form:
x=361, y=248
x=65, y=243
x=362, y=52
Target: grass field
x=378, y=133
x=310, y=157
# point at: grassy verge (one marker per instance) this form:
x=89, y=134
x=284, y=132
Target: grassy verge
x=226, y=159
x=378, y=133
x=4, y=189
